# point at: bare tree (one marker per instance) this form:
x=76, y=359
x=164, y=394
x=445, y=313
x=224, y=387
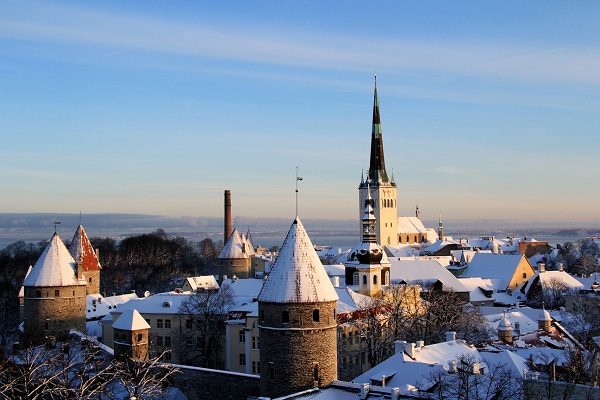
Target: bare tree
x=144, y=379
x=205, y=312
x=467, y=383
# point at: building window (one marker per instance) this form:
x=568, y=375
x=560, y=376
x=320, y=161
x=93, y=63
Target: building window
x=387, y=278
x=188, y=324
x=167, y=324
x=256, y=367
x=524, y=275
x=159, y=341
x=316, y=315
x=159, y=323
x=167, y=341
x=262, y=315
x=364, y=279
x=255, y=343
x=356, y=279
x=285, y=317
x=148, y=320
x=56, y=293
x=316, y=373
x=90, y=280
x=375, y=280
x=140, y=337
x=167, y=356
x=242, y=336
x=45, y=326
x=242, y=359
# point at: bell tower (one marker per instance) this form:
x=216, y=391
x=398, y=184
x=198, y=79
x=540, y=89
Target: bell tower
x=383, y=190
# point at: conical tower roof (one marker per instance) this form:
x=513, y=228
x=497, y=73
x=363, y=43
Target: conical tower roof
x=234, y=248
x=297, y=275
x=81, y=250
x=55, y=267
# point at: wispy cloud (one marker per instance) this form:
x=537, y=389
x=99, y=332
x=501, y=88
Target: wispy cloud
x=114, y=33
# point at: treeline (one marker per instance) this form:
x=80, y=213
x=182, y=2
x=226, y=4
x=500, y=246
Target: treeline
x=153, y=262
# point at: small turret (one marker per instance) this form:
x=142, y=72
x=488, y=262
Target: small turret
x=545, y=320
x=505, y=330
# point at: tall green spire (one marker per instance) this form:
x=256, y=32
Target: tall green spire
x=377, y=172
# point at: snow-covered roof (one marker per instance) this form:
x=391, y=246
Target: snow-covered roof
x=235, y=247
x=440, y=353
x=81, y=250
x=55, y=267
x=410, y=225
x=98, y=306
x=498, y=267
x=245, y=290
x=548, y=277
x=203, y=282
x=297, y=275
x=350, y=301
x=160, y=303
x=478, y=288
x=130, y=320
x=22, y=290
x=414, y=270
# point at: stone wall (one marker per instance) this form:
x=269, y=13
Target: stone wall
x=299, y=354
x=52, y=315
x=209, y=384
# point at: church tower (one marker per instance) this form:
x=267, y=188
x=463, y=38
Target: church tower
x=383, y=190
x=440, y=228
x=367, y=266
x=297, y=320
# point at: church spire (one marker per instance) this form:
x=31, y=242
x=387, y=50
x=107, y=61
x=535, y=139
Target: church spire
x=377, y=172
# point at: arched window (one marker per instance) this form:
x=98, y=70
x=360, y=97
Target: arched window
x=375, y=280
x=364, y=279
x=387, y=278
x=356, y=279
x=524, y=275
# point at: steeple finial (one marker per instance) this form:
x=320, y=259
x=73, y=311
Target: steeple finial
x=298, y=178
x=377, y=171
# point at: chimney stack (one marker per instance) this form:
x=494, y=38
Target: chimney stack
x=227, y=229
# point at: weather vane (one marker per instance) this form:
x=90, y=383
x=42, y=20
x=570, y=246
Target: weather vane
x=56, y=222
x=298, y=178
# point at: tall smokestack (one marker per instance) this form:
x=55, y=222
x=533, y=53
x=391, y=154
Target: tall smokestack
x=227, y=229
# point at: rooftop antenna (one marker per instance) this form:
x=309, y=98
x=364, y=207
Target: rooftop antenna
x=298, y=178
x=56, y=222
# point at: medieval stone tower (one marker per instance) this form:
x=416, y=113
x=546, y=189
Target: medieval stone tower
x=54, y=293
x=297, y=320
x=131, y=336
x=367, y=266
x=87, y=260
x=383, y=190
x=235, y=259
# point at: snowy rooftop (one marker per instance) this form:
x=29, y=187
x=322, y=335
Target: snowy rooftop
x=498, y=267
x=414, y=270
x=410, y=225
x=350, y=301
x=297, y=275
x=81, y=249
x=245, y=290
x=98, y=306
x=203, y=282
x=130, y=320
x=235, y=247
x=55, y=267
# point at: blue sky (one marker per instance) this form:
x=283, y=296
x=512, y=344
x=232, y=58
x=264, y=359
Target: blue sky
x=490, y=110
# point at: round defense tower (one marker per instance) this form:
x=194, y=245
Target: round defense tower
x=297, y=320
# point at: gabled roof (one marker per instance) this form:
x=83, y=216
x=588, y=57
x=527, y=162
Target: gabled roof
x=202, y=282
x=498, y=267
x=297, y=275
x=234, y=248
x=350, y=301
x=131, y=320
x=410, y=225
x=81, y=250
x=422, y=270
x=55, y=267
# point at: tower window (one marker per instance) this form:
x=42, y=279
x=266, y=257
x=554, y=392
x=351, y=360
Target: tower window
x=38, y=293
x=242, y=336
x=139, y=337
x=56, y=293
x=262, y=315
x=364, y=279
x=285, y=317
x=316, y=315
x=375, y=280
x=316, y=373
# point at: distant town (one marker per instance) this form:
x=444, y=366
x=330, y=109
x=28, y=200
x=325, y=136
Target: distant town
x=380, y=307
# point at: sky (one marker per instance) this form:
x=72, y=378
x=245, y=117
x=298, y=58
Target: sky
x=489, y=110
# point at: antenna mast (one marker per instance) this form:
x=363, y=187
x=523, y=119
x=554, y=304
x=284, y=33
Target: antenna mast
x=298, y=178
